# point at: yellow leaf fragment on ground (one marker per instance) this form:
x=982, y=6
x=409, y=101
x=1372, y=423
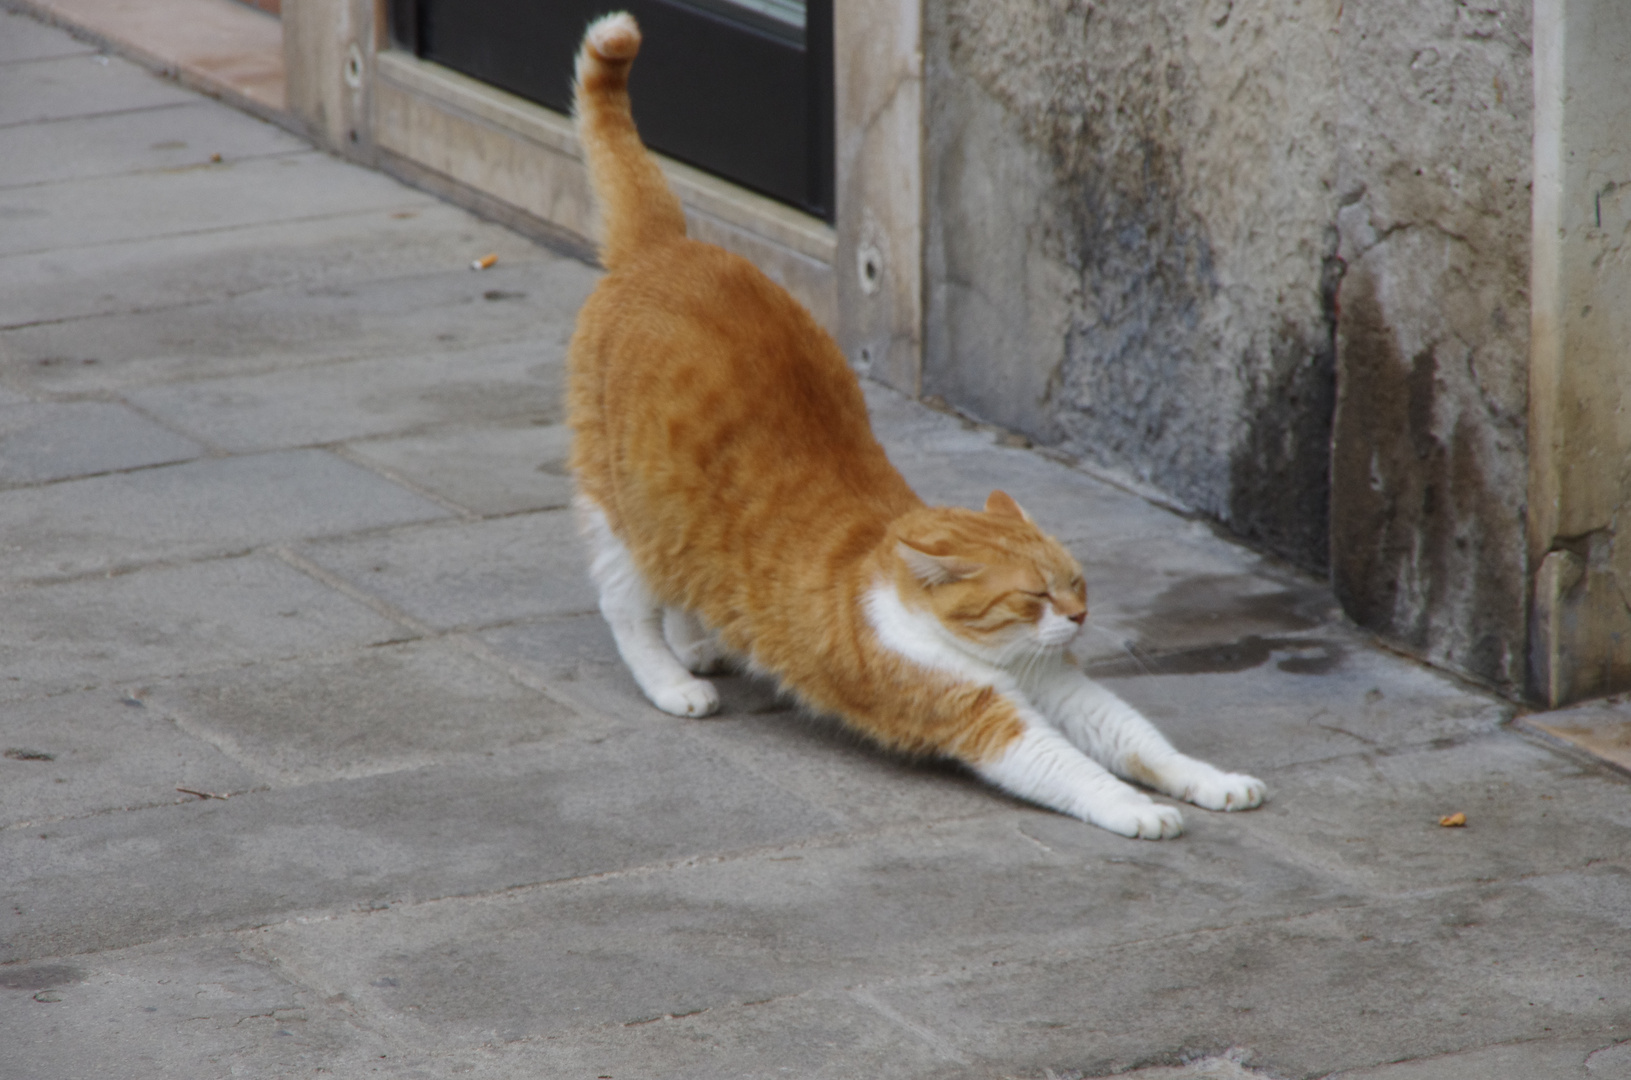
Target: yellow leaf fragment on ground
x=1453, y=821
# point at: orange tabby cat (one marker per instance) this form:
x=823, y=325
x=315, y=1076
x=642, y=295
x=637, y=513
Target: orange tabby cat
x=737, y=504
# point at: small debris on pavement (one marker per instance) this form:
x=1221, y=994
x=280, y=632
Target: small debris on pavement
x=20, y=753
x=1453, y=821
x=484, y=262
x=203, y=794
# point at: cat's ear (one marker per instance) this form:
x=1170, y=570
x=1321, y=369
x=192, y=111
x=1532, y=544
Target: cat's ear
x=935, y=569
x=1002, y=504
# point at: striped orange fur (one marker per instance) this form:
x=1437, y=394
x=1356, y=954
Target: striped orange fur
x=728, y=475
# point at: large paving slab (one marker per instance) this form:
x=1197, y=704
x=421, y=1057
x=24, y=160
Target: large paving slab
x=581, y=803
x=165, y=138
x=46, y=287
x=1373, y=821
x=492, y=470
x=222, y=195
x=193, y=1008
x=1551, y=1059
x=1421, y=976
x=469, y=574
x=427, y=300
x=98, y=751
x=347, y=715
x=330, y=403
x=77, y=84
x=634, y=948
x=171, y=620
x=211, y=507
x=22, y=38
x=41, y=442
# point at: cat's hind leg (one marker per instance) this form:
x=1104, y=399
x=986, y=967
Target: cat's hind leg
x=1116, y=735
x=636, y=621
x=694, y=645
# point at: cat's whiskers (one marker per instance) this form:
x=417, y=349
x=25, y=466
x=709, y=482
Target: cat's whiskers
x=1024, y=658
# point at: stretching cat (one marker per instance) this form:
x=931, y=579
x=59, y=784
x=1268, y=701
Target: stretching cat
x=738, y=505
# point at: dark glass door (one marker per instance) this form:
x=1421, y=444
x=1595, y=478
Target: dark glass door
x=740, y=88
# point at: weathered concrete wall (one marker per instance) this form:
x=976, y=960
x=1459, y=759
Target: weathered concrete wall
x=1139, y=216
x=1130, y=241
x=1580, y=377
x=1430, y=463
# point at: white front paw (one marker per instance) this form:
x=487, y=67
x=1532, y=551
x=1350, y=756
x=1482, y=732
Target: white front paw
x=701, y=657
x=1227, y=791
x=692, y=644
x=1143, y=819
x=693, y=697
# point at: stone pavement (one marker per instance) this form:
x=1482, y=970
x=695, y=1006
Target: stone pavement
x=282, y=510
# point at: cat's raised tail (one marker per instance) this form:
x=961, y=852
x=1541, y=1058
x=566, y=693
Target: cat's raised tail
x=638, y=210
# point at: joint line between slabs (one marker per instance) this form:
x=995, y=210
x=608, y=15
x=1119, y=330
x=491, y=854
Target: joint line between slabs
x=378, y=606
x=470, y=646
x=212, y=230
x=344, y=452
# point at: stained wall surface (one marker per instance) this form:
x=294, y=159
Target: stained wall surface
x=1242, y=252
x=1430, y=460
x=1580, y=375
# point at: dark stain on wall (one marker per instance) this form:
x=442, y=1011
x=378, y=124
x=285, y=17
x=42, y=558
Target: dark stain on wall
x=1140, y=385
x=1410, y=508
x=1367, y=473
x=1279, y=478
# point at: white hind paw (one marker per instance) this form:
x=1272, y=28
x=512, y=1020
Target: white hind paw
x=1227, y=791
x=693, y=697
x=1146, y=820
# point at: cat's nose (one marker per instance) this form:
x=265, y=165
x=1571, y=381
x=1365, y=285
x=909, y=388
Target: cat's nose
x=1079, y=618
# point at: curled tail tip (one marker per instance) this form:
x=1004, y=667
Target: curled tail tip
x=613, y=37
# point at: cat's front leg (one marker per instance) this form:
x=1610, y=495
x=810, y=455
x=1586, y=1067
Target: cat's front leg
x=1117, y=736
x=1041, y=766
x=636, y=621
x=693, y=644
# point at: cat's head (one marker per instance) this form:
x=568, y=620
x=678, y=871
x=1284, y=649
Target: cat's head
x=993, y=580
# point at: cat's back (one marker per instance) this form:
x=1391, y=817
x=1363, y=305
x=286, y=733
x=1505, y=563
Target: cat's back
x=722, y=431
x=691, y=350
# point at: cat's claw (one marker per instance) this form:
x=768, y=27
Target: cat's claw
x=1148, y=820
x=694, y=697
x=1228, y=791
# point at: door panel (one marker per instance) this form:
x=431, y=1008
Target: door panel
x=734, y=87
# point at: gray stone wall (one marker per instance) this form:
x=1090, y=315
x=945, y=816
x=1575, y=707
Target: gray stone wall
x=1139, y=215
x=1430, y=463
x=1130, y=241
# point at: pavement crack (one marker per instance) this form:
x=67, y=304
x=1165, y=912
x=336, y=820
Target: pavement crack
x=663, y=1016
x=1021, y=830
x=1338, y=729
x=928, y=1036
